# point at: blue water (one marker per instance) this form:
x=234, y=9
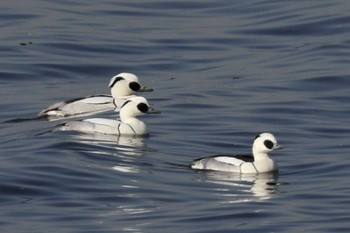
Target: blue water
x=223, y=71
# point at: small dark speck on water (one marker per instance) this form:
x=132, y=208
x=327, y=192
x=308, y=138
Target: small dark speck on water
x=237, y=77
x=26, y=43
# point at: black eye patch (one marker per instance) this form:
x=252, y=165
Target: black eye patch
x=268, y=144
x=142, y=107
x=134, y=86
x=117, y=79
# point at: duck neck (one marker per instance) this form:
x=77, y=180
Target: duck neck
x=128, y=119
x=120, y=91
x=115, y=93
x=261, y=156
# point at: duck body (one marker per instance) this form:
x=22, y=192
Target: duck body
x=235, y=163
x=122, y=86
x=78, y=107
x=128, y=125
x=258, y=162
x=107, y=126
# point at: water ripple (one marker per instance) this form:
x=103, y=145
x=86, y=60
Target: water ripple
x=222, y=73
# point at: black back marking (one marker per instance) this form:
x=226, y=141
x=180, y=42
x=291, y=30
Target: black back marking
x=117, y=79
x=132, y=129
x=71, y=101
x=119, y=129
x=86, y=97
x=125, y=103
x=245, y=158
x=114, y=103
x=255, y=168
x=134, y=86
x=142, y=107
x=268, y=144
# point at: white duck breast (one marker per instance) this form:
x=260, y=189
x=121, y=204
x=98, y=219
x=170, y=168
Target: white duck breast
x=259, y=162
x=128, y=124
x=122, y=86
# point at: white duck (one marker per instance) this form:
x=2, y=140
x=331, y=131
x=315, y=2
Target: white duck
x=128, y=124
x=122, y=86
x=259, y=162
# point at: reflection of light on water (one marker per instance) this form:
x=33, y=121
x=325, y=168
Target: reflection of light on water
x=250, y=187
x=130, y=186
x=133, y=210
x=125, y=211
x=126, y=169
x=136, y=228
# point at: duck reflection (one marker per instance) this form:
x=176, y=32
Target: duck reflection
x=125, y=145
x=248, y=187
x=126, y=148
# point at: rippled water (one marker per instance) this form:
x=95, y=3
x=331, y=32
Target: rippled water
x=222, y=72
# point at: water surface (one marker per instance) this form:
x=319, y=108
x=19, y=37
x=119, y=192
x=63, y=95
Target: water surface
x=222, y=73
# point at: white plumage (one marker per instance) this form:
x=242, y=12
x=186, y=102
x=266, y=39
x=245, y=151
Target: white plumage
x=259, y=162
x=128, y=124
x=122, y=86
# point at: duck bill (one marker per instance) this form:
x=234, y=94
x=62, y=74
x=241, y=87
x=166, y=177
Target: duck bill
x=153, y=111
x=279, y=147
x=145, y=89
